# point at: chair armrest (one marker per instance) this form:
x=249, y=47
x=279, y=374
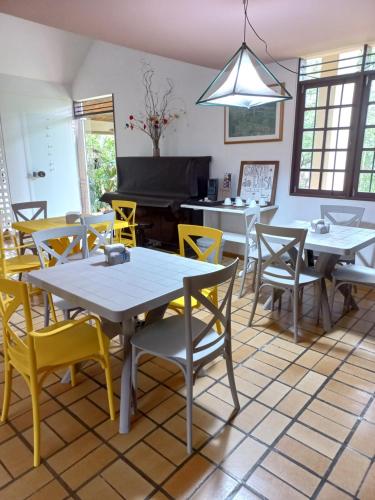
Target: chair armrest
x=72, y=323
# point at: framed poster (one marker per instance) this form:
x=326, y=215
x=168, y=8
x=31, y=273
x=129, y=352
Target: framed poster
x=258, y=179
x=259, y=124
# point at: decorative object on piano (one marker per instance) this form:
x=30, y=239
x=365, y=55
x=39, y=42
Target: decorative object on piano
x=212, y=189
x=158, y=114
x=72, y=217
x=258, y=180
x=260, y=124
x=116, y=253
x=226, y=189
x=319, y=226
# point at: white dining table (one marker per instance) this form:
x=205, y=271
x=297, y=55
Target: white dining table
x=119, y=293
x=340, y=241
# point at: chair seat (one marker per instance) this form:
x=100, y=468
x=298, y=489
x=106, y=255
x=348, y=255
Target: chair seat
x=180, y=302
x=79, y=342
x=304, y=278
x=355, y=273
x=22, y=263
x=166, y=338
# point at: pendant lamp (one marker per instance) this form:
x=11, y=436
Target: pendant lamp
x=244, y=81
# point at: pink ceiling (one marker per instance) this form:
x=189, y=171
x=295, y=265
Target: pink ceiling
x=207, y=32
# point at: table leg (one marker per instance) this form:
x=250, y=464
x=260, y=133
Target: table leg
x=128, y=328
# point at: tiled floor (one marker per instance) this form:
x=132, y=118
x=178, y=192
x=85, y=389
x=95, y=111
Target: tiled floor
x=306, y=426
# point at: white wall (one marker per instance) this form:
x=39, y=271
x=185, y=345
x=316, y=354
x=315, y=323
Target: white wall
x=37, y=129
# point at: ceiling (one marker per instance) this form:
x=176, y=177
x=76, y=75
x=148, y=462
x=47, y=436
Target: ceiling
x=207, y=32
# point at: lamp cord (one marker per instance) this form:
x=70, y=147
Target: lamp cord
x=247, y=21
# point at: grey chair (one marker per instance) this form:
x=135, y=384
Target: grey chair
x=99, y=231
x=29, y=210
x=189, y=342
x=351, y=275
x=60, y=245
x=284, y=268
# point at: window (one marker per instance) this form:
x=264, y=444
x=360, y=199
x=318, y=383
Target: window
x=334, y=145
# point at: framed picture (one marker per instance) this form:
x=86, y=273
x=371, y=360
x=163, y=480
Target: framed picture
x=258, y=179
x=259, y=124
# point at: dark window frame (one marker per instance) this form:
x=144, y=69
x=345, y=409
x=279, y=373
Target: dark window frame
x=363, y=81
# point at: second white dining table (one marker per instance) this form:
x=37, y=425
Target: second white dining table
x=119, y=293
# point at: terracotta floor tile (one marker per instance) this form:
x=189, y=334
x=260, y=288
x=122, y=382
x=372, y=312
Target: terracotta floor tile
x=204, y=420
x=167, y=445
x=350, y=392
x=291, y=473
x=73, y=452
x=245, y=494
x=16, y=456
x=309, y=359
x=250, y=416
x=271, y=427
x=342, y=417
x=4, y=476
x=279, y=352
x=219, y=486
x=327, y=365
x=314, y=440
x=167, y=408
x=126, y=481
x=341, y=401
x=243, y=458
x=46, y=409
x=154, y=465
x=223, y=392
x=51, y=490
x=222, y=444
x=177, y=426
x=27, y=484
x=349, y=471
x=5, y=432
x=293, y=375
x=50, y=442
x=88, y=467
x=243, y=386
x=370, y=413
x=153, y=398
x=303, y=454
x=324, y=425
x=262, y=367
x=270, y=486
x=251, y=376
x=98, y=488
x=273, y=394
x=367, y=491
x=269, y=359
x=154, y=371
x=242, y=353
x=66, y=426
x=215, y=405
x=363, y=439
x=293, y=402
x=140, y=428
x=330, y=492
x=188, y=479
x=311, y=382
x=72, y=394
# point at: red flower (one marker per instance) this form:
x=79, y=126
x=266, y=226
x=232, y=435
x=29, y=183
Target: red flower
x=144, y=126
x=131, y=117
x=165, y=121
x=131, y=127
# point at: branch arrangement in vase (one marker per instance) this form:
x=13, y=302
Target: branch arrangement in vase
x=158, y=114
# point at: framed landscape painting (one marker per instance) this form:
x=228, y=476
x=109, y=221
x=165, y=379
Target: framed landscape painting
x=259, y=124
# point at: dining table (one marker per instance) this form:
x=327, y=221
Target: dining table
x=119, y=293
x=328, y=248
x=30, y=226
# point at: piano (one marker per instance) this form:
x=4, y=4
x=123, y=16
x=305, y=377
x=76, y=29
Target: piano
x=160, y=185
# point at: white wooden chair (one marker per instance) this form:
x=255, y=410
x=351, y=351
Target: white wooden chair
x=189, y=342
x=25, y=211
x=284, y=268
x=99, y=231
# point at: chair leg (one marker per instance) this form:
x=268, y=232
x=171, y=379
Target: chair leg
x=46, y=298
x=134, y=369
x=254, y=274
x=332, y=297
x=255, y=302
x=215, y=301
x=244, y=271
x=108, y=380
x=36, y=421
x=232, y=381
x=8, y=378
x=189, y=414
x=73, y=373
x=295, y=313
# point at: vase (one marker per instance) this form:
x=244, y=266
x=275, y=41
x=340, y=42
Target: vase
x=156, y=151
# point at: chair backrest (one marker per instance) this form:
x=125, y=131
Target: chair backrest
x=99, y=230
x=251, y=218
x=220, y=312
x=20, y=351
x=30, y=210
x=125, y=211
x=186, y=233
x=342, y=215
x=56, y=245
x=276, y=242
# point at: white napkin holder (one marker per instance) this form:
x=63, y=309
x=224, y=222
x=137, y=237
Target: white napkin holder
x=116, y=254
x=319, y=226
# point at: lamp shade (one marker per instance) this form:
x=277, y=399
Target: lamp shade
x=245, y=82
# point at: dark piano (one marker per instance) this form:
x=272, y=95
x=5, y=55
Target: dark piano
x=160, y=186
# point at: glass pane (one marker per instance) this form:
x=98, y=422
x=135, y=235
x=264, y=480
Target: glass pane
x=320, y=117
x=322, y=96
x=306, y=159
x=372, y=190
x=343, y=139
x=329, y=160
x=331, y=139
x=367, y=160
x=335, y=95
x=314, y=181
x=348, y=93
x=345, y=117
x=304, y=180
x=369, y=139
x=372, y=91
x=318, y=140
x=340, y=163
x=338, y=181
x=370, y=115
x=364, y=183
x=309, y=119
x=307, y=140
x=327, y=181
x=317, y=159
x=333, y=117
x=310, y=98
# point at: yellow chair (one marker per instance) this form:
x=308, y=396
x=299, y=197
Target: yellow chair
x=17, y=263
x=125, y=225
x=186, y=233
x=43, y=351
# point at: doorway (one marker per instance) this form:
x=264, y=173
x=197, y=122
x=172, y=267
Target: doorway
x=96, y=150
